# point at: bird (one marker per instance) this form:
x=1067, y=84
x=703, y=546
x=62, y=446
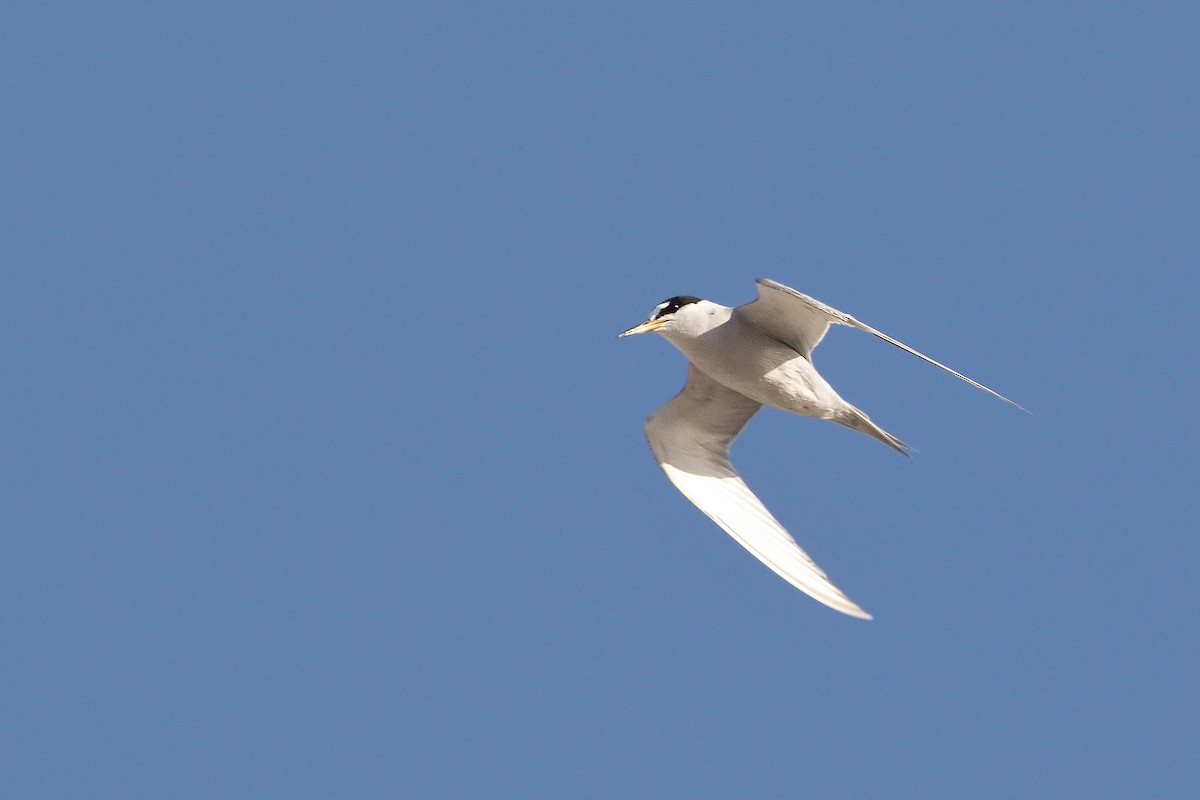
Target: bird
x=739, y=360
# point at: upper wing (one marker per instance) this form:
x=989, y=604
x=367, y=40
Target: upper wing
x=800, y=322
x=690, y=437
x=784, y=314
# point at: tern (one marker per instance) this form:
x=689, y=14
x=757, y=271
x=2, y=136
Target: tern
x=741, y=359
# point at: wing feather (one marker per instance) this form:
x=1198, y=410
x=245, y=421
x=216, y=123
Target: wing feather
x=800, y=322
x=690, y=438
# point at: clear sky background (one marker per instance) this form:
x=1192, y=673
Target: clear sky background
x=324, y=473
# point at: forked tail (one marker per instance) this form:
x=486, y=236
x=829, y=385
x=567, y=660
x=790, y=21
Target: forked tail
x=851, y=417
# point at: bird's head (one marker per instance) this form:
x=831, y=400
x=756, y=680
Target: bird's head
x=664, y=314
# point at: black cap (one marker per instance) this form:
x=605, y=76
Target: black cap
x=674, y=304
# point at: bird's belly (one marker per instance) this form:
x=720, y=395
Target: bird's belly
x=774, y=379
x=796, y=386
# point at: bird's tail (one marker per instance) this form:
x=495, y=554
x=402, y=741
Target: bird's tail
x=851, y=417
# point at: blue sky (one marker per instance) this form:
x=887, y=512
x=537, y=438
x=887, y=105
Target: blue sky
x=324, y=473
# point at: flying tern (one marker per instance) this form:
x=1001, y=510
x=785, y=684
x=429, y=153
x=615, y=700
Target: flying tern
x=741, y=359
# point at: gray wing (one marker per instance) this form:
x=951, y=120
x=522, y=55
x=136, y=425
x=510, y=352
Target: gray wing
x=800, y=322
x=690, y=437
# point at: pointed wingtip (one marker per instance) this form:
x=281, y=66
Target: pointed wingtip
x=844, y=605
x=1010, y=402
x=839, y=603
